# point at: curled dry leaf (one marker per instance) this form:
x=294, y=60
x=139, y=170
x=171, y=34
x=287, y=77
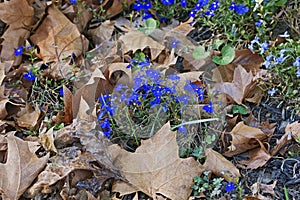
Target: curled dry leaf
x=21, y=168
x=134, y=40
x=57, y=37
x=244, y=138
x=18, y=14
x=257, y=157
x=155, y=167
x=220, y=166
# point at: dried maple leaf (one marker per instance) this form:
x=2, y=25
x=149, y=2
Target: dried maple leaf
x=21, y=168
x=155, y=167
x=134, y=40
x=244, y=138
x=57, y=37
x=241, y=86
x=18, y=14
x=220, y=166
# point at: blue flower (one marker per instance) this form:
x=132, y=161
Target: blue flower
x=258, y=23
x=154, y=75
x=182, y=129
x=137, y=6
x=174, y=44
x=208, y=108
x=214, y=6
x=232, y=6
x=272, y=91
x=263, y=47
x=61, y=91
x=29, y=76
x=167, y=2
x=147, y=15
x=19, y=51
x=209, y=13
x=193, y=13
x=241, y=9
x=268, y=61
x=183, y=3
x=174, y=77
x=298, y=72
x=297, y=62
x=73, y=2
x=230, y=187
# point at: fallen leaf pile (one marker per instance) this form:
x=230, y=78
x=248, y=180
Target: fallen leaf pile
x=76, y=161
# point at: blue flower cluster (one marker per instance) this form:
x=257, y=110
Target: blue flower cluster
x=263, y=47
x=107, y=110
x=150, y=90
x=272, y=60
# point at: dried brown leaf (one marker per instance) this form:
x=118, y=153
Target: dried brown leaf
x=257, y=157
x=220, y=166
x=116, y=7
x=134, y=40
x=28, y=117
x=21, y=168
x=239, y=89
x=57, y=37
x=291, y=132
x=244, y=138
x=155, y=167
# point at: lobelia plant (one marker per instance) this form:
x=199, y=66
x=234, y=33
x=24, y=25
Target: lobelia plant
x=137, y=112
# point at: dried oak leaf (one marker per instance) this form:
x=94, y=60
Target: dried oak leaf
x=241, y=86
x=257, y=157
x=18, y=14
x=134, y=40
x=116, y=6
x=21, y=168
x=244, y=138
x=155, y=167
x=220, y=166
x=57, y=37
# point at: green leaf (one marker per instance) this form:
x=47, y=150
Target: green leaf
x=200, y=53
x=227, y=57
x=239, y=109
x=150, y=25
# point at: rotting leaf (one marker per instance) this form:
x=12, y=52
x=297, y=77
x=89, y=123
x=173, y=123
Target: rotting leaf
x=21, y=168
x=244, y=138
x=155, y=167
x=57, y=37
x=220, y=166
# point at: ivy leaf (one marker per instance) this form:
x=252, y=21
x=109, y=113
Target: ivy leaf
x=227, y=57
x=199, y=53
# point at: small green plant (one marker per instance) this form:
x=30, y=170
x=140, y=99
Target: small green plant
x=203, y=184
